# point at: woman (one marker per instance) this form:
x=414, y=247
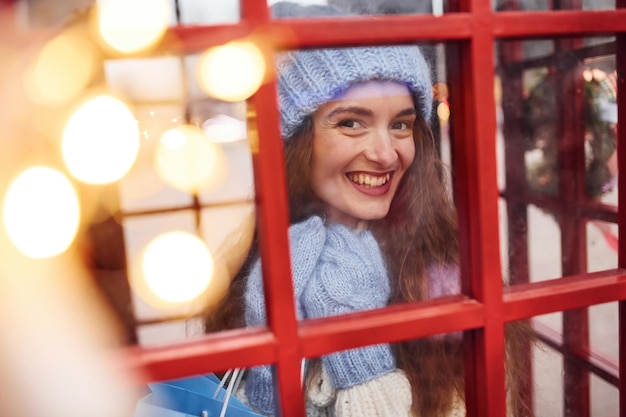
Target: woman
x=371, y=225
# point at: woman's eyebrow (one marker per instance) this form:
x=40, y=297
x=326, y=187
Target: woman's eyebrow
x=409, y=111
x=361, y=111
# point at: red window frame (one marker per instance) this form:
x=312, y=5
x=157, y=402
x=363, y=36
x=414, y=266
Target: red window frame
x=484, y=308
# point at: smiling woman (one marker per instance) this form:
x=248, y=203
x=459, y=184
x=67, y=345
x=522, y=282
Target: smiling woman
x=363, y=146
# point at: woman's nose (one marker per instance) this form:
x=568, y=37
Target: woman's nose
x=380, y=149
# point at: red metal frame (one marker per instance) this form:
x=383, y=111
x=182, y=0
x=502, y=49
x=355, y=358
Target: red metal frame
x=484, y=308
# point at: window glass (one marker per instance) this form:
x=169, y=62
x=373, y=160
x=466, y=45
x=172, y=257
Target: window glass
x=604, y=397
x=602, y=240
x=208, y=12
x=557, y=135
x=540, y=5
x=150, y=303
x=604, y=333
x=363, y=7
x=561, y=371
x=547, y=382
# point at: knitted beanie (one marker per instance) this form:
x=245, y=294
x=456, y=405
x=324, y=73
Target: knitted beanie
x=310, y=78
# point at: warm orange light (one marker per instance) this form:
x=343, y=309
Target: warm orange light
x=63, y=68
x=443, y=111
x=130, y=26
x=177, y=266
x=231, y=72
x=41, y=212
x=101, y=141
x=186, y=159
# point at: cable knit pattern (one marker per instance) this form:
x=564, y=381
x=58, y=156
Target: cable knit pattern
x=350, y=276
x=335, y=271
x=388, y=395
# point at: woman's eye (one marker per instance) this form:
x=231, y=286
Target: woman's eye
x=401, y=125
x=350, y=123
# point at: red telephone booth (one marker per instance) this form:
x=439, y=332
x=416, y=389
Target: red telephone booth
x=514, y=80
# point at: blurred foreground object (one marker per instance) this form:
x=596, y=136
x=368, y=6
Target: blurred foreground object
x=58, y=338
x=57, y=355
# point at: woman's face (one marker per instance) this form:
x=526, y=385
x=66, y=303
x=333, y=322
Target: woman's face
x=362, y=146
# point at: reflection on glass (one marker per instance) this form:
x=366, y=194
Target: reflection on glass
x=544, y=113
x=563, y=374
x=558, y=135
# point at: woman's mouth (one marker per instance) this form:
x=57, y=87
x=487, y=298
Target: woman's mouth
x=368, y=180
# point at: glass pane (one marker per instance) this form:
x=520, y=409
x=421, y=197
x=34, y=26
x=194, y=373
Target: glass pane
x=544, y=240
x=601, y=245
x=604, y=398
x=557, y=136
x=538, y=5
x=547, y=382
x=202, y=12
x=149, y=305
x=604, y=331
x=587, y=368
x=356, y=7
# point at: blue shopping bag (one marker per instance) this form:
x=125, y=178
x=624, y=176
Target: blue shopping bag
x=196, y=396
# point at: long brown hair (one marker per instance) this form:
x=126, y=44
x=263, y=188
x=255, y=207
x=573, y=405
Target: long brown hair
x=420, y=230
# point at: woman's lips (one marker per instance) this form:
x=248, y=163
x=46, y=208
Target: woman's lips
x=374, y=184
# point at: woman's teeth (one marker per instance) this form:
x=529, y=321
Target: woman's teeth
x=369, y=181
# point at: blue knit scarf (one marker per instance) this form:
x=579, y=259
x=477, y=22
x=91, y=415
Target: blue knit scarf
x=335, y=271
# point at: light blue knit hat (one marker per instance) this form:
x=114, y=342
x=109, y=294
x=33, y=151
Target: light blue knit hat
x=310, y=78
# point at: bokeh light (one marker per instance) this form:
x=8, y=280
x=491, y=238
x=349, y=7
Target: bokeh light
x=187, y=160
x=41, y=212
x=63, y=68
x=130, y=26
x=231, y=72
x=443, y=111
x=177, y=266
x=101, y=141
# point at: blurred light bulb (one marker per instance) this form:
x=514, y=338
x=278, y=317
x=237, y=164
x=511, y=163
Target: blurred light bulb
x=231, y=72
x=186, y=159
x=130, y=26
x=101, y=141
x=41, y=212
x=443, y=111
x=64, y=67
x=177, y=266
